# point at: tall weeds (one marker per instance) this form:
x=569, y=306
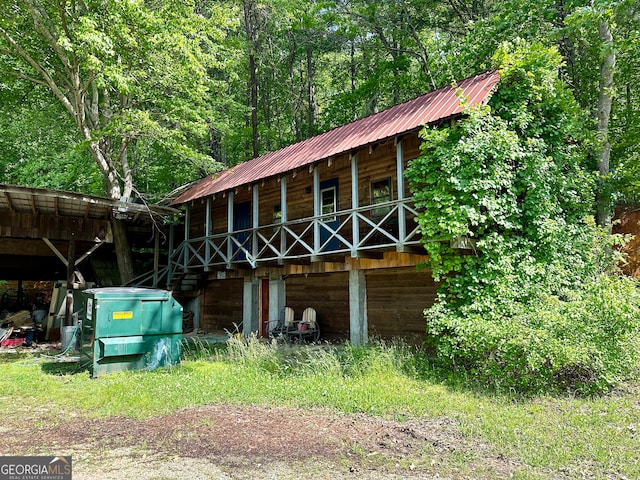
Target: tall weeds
x=345, y=361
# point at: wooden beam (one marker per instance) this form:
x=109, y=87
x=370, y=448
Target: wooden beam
x=34, y=208
x=355, y=203
x=316, y=209
x=56, y=251
x=37, y=226
x=71, y=258
x=402, y=226
x=207, y=233
x=187, y=229
x=12, y=207
x=255, y=204
x=156, y=256
x=284, y=216
x=88, y=252
x=230, y=199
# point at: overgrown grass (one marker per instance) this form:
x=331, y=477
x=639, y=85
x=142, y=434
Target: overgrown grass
x=550, y=436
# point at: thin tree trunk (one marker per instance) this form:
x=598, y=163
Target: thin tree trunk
x=251, y=30
x=254, y=104
x=311, y=101
x=605, y=99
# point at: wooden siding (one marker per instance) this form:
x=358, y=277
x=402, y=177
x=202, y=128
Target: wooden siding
x=269, y=196
x=376, y=163
x=54, y=227
x=221, y=305
x=328, y=294
x=396, y=299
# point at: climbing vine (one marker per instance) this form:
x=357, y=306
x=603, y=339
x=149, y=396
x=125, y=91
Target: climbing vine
x=512, y=179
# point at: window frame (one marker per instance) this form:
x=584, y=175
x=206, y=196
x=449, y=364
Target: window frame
x=380, y=212
x=330, y=216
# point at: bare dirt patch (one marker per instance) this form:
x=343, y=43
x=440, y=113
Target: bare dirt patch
x=252, y=442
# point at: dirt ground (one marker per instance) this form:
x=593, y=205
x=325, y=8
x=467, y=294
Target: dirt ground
x=250, y=442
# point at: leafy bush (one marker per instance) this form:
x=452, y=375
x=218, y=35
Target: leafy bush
x=536, y=303
x=585, y=342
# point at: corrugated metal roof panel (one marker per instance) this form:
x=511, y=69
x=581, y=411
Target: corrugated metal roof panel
x=397, y=120
x=19, y=199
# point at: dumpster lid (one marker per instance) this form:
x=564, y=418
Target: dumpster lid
x=129, y=291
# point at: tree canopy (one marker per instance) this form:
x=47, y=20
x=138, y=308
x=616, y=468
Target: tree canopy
x=160, y=93
x=132, y=98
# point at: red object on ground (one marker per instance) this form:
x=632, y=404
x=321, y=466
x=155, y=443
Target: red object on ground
x=12, y=342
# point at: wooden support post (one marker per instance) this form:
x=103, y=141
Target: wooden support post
x=355, y=203
x=230, y=196
x=71, y=259
x=402, y=224
x=283, y=217
x=156, y=256
x=255, y=214
x=172, y=235
x=358, y=323
x=316, y=213
x=207, y=234
x=187, y=227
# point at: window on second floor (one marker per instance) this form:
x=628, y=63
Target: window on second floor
x=328, y=203
x=277, y=213
x=381, y=193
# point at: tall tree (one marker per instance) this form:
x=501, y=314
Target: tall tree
x=253, y=22
x=117, y=68
x=605, y=100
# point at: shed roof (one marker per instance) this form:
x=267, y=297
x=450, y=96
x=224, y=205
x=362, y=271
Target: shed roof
x=20, y=199
x=403, y=118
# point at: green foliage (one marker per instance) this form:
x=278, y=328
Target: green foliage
x=38, y=145
x=584, y=341
x=509, y=177
x=133, y=79
x=519, y=310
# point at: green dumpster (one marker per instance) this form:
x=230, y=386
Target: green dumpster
x=129, y=328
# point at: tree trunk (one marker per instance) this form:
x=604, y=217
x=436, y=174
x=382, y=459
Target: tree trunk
x=254, y=105
x=311, y=101
x=251, y=30
x=123, y=252
x=112, y=186
x=605, y=99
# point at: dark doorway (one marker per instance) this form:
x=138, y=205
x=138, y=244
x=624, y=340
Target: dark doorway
x=264, y=307
x=241, y=221
x=329, y=205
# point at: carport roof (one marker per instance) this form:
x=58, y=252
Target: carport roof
x=44, y=201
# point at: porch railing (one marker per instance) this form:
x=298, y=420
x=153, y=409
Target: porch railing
x=351, y=232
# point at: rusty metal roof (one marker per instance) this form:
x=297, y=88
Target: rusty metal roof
x=397, y=120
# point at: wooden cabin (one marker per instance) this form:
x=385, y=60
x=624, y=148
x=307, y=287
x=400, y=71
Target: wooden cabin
x=326, y=223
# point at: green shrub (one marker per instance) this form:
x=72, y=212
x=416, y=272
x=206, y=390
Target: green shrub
x=536, y=304
x=586, y=342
